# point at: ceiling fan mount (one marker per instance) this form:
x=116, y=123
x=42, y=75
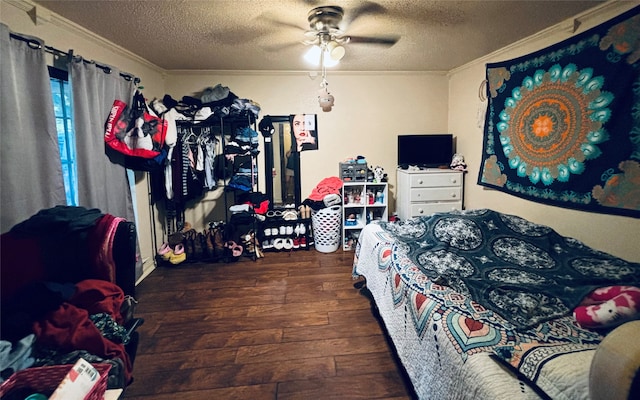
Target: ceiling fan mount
x=325, y=25
x=329, y=28
x=325, y=18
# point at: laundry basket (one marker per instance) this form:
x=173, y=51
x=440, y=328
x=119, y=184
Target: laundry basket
x=326, y=228
x=46, y=380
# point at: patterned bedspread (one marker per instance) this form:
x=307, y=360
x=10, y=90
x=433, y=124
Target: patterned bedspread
x=451, y=345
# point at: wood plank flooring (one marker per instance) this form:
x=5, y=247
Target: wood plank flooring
x=287, y=326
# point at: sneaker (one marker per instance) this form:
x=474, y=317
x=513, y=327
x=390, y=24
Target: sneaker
x=290, y=215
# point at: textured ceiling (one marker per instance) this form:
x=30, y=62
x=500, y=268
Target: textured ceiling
x=268, y=34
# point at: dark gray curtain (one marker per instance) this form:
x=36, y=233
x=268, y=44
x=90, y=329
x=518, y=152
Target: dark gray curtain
x=30, y=168
x=102, y=177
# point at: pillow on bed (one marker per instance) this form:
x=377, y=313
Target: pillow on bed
x=608, y=307
x=559, y=371
x=615, y=369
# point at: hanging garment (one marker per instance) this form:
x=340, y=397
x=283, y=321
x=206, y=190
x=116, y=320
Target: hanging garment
x=209, y=157
x=187, y=183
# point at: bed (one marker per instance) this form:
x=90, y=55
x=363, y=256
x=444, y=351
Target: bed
x=478, y=304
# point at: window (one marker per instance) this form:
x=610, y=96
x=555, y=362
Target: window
x=66, y=135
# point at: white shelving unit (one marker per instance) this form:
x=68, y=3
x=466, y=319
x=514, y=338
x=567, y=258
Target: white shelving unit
x=363, y=202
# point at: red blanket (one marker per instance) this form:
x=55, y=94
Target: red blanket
x=69, y=328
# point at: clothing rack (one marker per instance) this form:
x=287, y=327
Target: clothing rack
x=223, y=130
x=36, y=45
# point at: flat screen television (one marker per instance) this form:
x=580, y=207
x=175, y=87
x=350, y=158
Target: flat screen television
x=426, y=151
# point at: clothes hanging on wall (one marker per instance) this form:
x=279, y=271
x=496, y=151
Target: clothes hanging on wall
x=214, y=142
x=200, y=160
x=186, y=181
x=242, y=150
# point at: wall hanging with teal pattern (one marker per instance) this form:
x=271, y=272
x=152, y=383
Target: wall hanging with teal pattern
x=563, y=124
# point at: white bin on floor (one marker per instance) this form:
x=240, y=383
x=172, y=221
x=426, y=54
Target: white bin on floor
x=326, y=228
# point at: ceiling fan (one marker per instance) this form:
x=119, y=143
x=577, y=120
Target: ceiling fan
x=327, y=37
x=328, y=27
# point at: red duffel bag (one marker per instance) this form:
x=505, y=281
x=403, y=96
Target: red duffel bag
x=133, y=130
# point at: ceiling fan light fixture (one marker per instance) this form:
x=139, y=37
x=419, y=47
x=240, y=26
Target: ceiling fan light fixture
x=335, y=50
x=316, y=56
x=312, y=56
x=329, y=62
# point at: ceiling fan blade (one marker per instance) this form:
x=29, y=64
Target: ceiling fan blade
x=366, y=8
x=275, y=47
x=380, y=40
x=271, y=20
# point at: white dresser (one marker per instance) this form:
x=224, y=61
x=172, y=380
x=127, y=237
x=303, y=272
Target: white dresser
x=426, y=191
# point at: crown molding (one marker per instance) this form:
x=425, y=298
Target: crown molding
x=41, y=15
x=569, y=27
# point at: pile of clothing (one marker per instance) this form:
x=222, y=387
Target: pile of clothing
x=327, y=193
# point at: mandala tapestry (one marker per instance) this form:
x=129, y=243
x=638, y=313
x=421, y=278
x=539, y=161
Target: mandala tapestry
x=563, y=124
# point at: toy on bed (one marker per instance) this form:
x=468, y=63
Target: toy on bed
x=609, y=307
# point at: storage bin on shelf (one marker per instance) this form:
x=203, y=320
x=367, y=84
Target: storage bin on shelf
x=353, y=172
x=326, y=228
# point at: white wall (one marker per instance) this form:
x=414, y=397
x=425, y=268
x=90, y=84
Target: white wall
x=370, y=111
x=614, y=234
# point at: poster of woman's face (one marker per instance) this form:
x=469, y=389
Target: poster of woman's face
x=305, y=132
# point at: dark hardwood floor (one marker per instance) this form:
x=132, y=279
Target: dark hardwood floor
x=288, y=326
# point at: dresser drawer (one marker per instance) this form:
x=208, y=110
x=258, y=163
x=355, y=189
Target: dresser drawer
x=430, y=208
x=436, y=194
x=434, y=180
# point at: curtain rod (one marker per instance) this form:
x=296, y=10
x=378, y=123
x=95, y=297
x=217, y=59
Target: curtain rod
x=34, y=44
